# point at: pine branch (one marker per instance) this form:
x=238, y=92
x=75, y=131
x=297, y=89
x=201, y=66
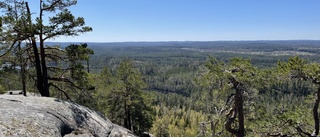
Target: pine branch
x=64, y=92
x=63, y=79
x=52, y=6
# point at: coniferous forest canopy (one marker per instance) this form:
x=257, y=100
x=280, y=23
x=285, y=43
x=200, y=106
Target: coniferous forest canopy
x=225, y=88
x=168, y=89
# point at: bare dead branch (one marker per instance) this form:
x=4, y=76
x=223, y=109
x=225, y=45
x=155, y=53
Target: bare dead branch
x=12, y=45
x=57, y=68
x=63, y=79
x=55, y=56
x=65, y=93
x=277, y=134
x=302, y=132
x=54, y=48
x=25, y=50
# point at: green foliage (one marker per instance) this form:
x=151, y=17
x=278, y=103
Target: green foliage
x=294, y=68
x=77, y=53
x=238, y=69
x=64, y=23
x=244, y=71
x=2, y=90
x=122, y=100
x=67, y=76
x=68, y=23
x=19, y=25
x=176, y=122
x=183, y=88
x=238, y=75
x=10, y=79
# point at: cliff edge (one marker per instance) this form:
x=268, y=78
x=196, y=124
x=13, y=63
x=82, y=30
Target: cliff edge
x=42, y=116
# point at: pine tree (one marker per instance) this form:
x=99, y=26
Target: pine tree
x=238, y=75
x=19, y=24
x=126, y=103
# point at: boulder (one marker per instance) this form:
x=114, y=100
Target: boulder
x=42, y=116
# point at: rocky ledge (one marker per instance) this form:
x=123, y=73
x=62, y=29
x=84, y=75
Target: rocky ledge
x=41, y=116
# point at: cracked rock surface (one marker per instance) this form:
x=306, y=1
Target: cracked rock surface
x=41, y=117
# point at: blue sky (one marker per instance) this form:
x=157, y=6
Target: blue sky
x=197, y=20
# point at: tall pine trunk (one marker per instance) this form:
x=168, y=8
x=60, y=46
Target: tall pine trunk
x=127, y=120
x=45, y=91
x=126, y=124
x=315, y=113
x=40, y=86
x=22, y=71
x=239, y=102
x=88, y=66
x=237, y=111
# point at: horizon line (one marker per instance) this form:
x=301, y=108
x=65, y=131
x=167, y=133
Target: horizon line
x=181, y=41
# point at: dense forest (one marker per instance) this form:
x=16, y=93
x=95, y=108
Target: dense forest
x=168, y=89
x=226, y=88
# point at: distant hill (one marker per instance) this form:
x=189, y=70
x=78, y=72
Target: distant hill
x=233, y=46
x=198, y=43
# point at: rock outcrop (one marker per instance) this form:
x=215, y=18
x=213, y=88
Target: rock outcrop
x=41, y=116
